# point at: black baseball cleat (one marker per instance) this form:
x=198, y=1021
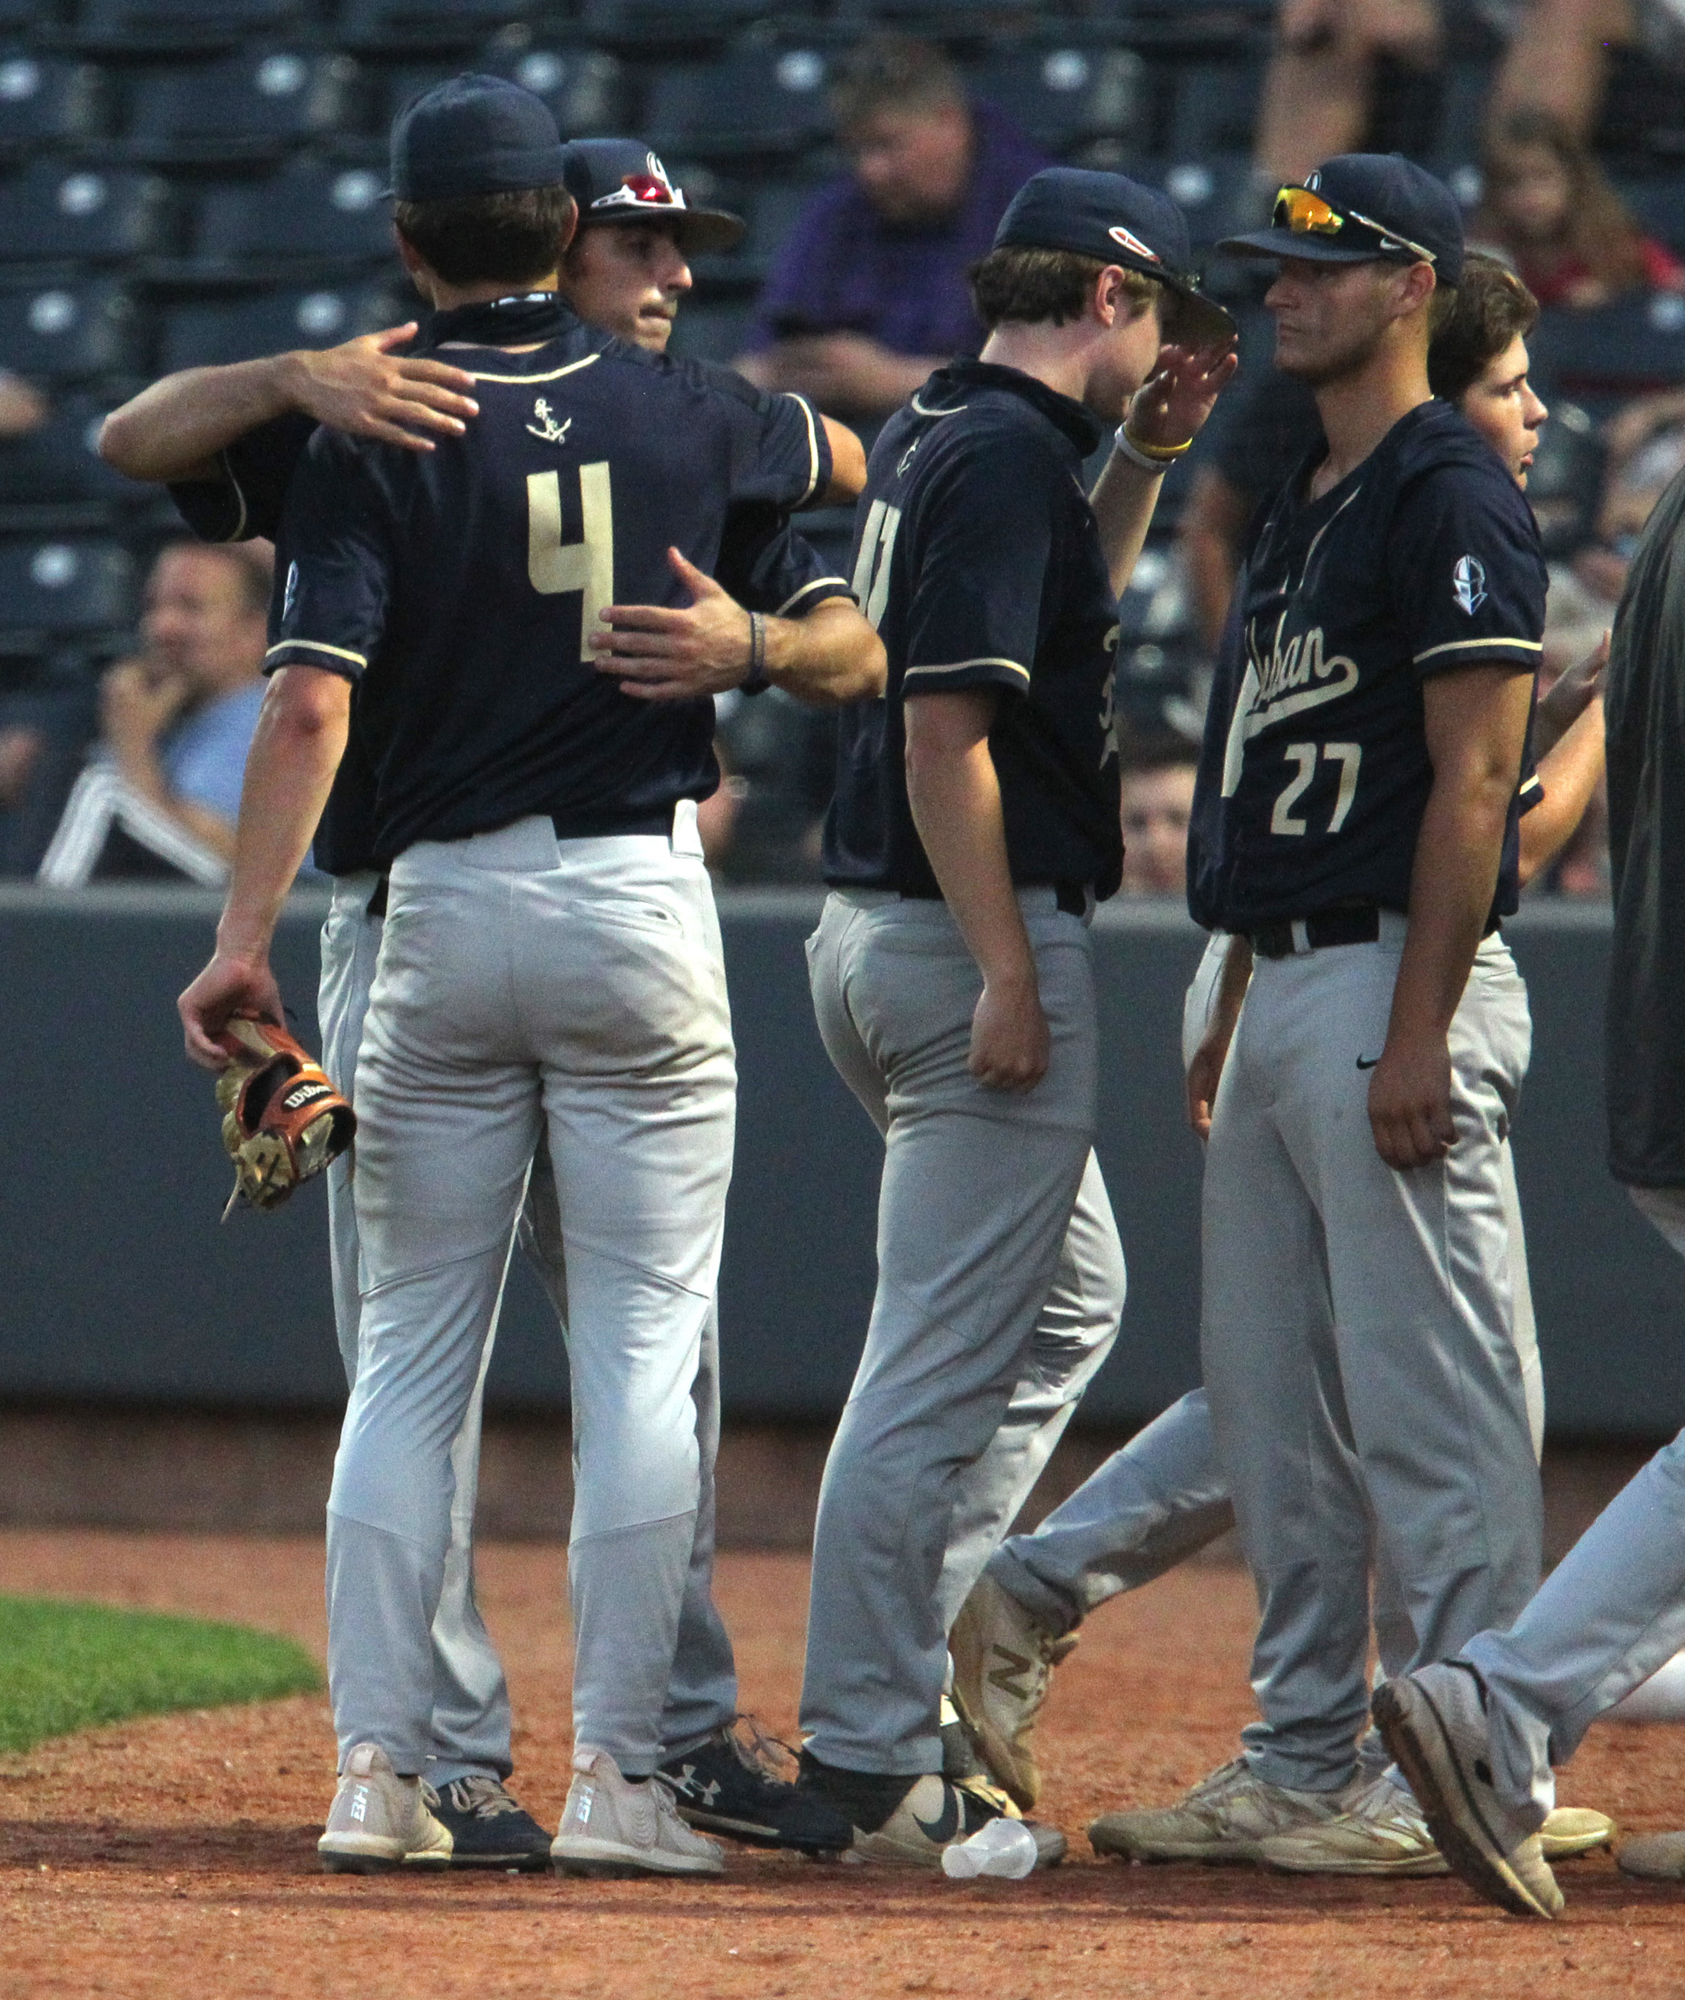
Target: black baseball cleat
x=728, y=1785
x=488, y=1828
x=908, y=1821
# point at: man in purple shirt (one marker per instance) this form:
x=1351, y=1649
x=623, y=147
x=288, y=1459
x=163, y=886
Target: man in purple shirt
x=868, y=294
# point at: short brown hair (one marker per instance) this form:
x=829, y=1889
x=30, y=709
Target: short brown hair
x=489, y=238
x=1022, y=286
x=1490, y=308
x=892, y=73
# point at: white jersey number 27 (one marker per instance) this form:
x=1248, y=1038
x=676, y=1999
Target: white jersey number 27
x=587, y=565
x=1304, y=757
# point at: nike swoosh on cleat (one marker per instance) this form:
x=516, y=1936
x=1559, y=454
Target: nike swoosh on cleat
x=1370, y=1064
x=942, y=1829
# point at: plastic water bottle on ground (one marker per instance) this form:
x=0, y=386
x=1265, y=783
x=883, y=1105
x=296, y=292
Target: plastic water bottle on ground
x=1003, y=1847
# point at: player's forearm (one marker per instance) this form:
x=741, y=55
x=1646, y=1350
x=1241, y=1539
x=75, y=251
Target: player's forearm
x=954, y=792
x=832, y=655
x=176, y=428
x=1123, y=499
x=295, y=752
x=1569, y=775
x=848, y=466
x=1451, y=887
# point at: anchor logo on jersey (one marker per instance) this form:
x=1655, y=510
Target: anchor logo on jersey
x=547, y=427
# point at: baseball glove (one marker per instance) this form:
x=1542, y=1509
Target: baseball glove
x=283, y=1120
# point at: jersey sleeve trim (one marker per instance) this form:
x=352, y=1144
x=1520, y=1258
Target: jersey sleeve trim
x=240, y=529
x=820, y=588
x=806, y=409
x=1494, y=644
x=273, y=656
x=554, y=375
x=969, y=668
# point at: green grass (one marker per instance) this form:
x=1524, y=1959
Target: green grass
x=67, y=1666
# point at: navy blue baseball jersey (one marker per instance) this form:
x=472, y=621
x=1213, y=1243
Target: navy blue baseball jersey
x=978, y=559
x=1315, y=769
x=761, y=561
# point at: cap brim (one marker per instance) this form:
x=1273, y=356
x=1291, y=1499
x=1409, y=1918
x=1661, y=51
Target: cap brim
x=1200, y=320
x=699, y=232
x=1303, y=247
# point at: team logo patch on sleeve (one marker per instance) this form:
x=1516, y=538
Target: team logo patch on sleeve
x=1468, y=584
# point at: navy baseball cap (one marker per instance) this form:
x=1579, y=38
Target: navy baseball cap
x=474, y=135
x=1363, y=208
x=1119, y=221
x=621, y=180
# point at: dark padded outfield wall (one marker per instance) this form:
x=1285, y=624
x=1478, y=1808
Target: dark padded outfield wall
x=116, y=1281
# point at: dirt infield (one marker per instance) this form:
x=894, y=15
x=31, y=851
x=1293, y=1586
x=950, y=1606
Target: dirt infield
x=175, y=1856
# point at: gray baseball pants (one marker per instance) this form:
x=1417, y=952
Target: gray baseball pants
x=526, y=986
x=1609, y=1614
x=1357, y=1342
x=1000, y=1287
x=1163, y=1496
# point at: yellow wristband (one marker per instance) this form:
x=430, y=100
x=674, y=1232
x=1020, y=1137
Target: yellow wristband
x=1164, y=451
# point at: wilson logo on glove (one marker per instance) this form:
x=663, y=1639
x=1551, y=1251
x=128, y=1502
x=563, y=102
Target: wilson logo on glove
x=283, y=1120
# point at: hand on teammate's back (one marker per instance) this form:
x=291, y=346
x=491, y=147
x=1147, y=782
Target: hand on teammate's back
x=1175, y=400
x=1410, y=1103
x=364, y=389
x=667, y=655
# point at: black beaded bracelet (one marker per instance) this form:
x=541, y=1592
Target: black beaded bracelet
x=755, y=680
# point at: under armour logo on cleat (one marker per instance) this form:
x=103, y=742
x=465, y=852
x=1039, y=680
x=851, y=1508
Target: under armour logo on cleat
x=1002, y=1677
x=551, y=432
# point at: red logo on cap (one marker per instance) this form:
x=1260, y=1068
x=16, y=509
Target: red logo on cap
x=1130, y=241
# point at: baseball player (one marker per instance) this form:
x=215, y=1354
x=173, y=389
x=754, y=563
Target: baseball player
x=464, y=738
x=230, y=480
x=1478, y=1734
x=1163, y=1496
x=975, y=822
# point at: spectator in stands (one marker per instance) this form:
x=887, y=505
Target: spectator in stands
x=869, y=292
x=1158, y=794
x=1319, y=90
x=1550, y=205
x=22, y=408
x=163, y=790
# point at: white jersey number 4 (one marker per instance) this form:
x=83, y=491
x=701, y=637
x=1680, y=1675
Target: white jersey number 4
x=1304, y=757
x=555, y=566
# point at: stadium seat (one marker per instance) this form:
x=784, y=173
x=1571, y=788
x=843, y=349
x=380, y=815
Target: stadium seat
x=1213, y=108
x=1620, y=350
x=47, y=101
x=167, y=26
x=712, y=331
x=586, y=88
x=67, y=332
x=752, y=100
x=60, y=465
x=256, y=105
x=1658, y=201
x=310, y=210
x=669, y=21
x=210, y=332
x=1064, y=94
x=51, y=211
x=1566, y=482
x=397, y=24
x=63, y=588
x=1215, y=194
x=397, y=85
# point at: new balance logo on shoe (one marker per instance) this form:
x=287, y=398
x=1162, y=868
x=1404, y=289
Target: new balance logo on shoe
x=1004, y=1677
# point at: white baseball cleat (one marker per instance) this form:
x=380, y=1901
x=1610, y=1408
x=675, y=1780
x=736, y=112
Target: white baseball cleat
x=1570, y=1831
x=1003, y=1667
x=1434, y=1723
x=380, y=1821
x=1381, y=1833
x=611, y=1826
x=1226, y=1817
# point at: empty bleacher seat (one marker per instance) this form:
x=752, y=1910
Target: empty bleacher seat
x=255, y=105
x=310, y=210
x=51, y=211
x=162, y=26
x=586, y=88
x=52, y=588
x=1620, y=350
x=60, y=465
x=1062, y=95
x=47, y=101
x=751, y=100
x=381, y=24
x=1215, y=195
x=211, y=332
x=67, y=332
x=1213, y=108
